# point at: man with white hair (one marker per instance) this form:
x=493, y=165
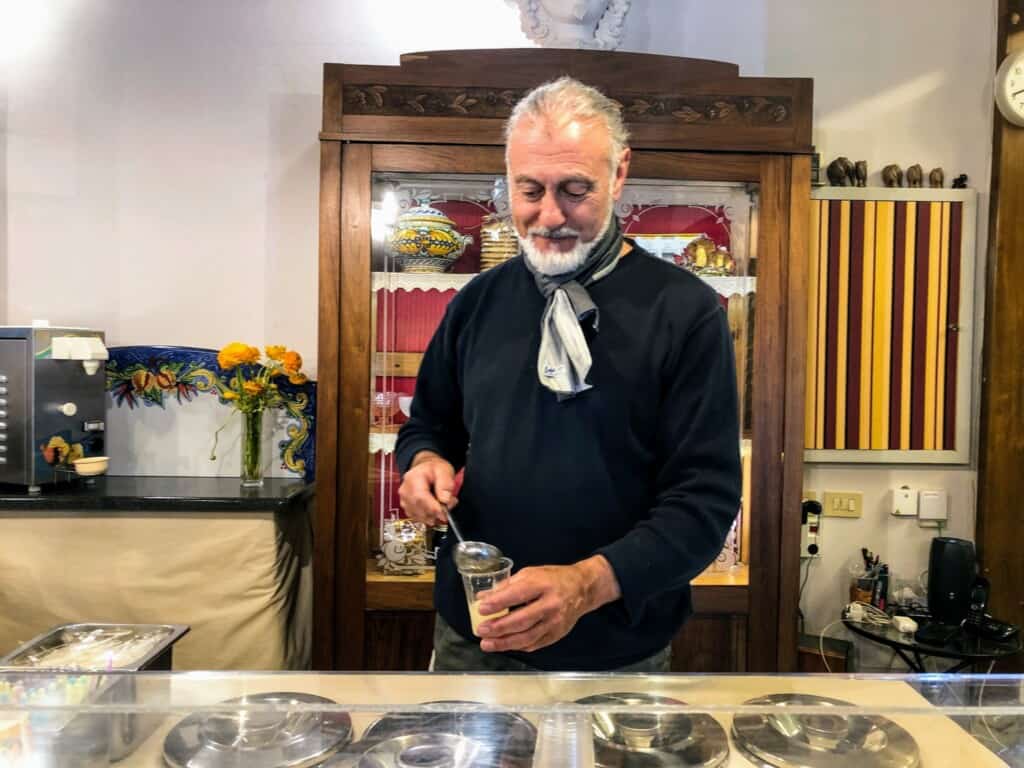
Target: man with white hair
x=589, y=391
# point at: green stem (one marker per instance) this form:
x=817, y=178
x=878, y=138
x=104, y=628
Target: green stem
x=252, y=443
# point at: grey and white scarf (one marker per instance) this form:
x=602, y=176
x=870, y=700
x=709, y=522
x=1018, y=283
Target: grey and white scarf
x=563, y=359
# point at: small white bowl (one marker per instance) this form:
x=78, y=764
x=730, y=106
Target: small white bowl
x=405, y=404
x=92, y=466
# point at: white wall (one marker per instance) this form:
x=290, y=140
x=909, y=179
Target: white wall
x=905, y=83
x=162, y=158
x=159, y=160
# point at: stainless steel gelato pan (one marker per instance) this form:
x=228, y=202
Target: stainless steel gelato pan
x=69, y=649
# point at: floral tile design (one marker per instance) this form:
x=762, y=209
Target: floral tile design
x=152, y=376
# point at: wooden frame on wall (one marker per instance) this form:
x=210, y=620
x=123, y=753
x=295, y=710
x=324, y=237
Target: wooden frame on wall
x=890, y=340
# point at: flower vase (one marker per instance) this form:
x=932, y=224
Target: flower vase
x=252, y=449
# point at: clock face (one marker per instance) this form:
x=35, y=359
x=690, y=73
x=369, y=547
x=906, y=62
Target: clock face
x=1009, y=88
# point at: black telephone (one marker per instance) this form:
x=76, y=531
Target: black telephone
x=979, y=622
x=977, y=605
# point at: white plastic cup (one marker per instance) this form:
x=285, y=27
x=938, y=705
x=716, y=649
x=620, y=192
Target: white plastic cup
x=475, y=582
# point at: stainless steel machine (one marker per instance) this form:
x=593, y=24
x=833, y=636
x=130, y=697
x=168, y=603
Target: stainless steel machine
x=52, y=402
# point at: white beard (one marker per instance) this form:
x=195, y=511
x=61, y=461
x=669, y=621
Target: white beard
x=555, y=262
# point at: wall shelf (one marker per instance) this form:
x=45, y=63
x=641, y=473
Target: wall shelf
x=713, y=591
x=445, y=281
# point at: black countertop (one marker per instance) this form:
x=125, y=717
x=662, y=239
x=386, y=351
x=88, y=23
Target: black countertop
x=160, y=494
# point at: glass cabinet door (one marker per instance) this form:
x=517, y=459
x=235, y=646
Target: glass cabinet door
x=432, y=233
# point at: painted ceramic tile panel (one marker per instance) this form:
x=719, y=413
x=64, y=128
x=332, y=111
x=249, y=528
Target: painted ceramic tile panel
x=165, y=406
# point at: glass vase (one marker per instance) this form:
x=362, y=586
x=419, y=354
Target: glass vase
x=252, y=449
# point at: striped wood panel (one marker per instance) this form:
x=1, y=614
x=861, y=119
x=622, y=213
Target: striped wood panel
x=883, y=309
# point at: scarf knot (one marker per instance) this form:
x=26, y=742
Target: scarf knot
x=563, y=359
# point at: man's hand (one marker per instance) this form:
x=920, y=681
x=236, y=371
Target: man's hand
x=428, y=489
x=552, y=598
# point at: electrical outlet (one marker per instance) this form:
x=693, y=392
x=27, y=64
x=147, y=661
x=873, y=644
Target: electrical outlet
x=810, y=529
x=842, y=504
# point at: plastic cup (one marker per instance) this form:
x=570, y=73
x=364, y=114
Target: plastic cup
x=475, y=582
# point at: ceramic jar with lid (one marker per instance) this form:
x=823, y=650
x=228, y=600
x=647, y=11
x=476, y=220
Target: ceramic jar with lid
x=425, y=240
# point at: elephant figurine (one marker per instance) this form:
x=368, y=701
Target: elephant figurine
x=840, y=172
x=915, y=175
x=892, y=176
x=936, y=178
x=860, y=172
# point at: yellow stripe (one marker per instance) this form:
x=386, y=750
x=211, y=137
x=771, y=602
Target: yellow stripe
x=810, y=403
x=867, y=324
x=940, y=329
x=842, y=322
x=881, y=358
x=931, y=347
x=822, y=322
x=906, y=398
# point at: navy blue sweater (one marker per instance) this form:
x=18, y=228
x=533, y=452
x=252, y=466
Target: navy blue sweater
x=644, y=468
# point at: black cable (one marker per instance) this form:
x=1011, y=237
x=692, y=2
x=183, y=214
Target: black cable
x=800, y=594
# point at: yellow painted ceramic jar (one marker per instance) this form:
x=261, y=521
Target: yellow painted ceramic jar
x=425, y=240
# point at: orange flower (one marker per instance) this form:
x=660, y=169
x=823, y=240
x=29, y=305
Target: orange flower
x=276, y=352
x=297, y=378
x=291, y=362
x=252, y=388
x=235, y=354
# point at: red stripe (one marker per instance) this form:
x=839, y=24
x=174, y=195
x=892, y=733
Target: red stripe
x=920, y=330
x=853, y=361
x=832, y=324
x=952, y=319
x=898, y=284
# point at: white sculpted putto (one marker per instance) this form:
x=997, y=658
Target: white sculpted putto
x=574, y=23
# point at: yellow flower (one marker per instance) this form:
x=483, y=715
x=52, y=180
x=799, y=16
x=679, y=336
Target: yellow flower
x=297, y=378
x=227, y=394
x=235, y=354
x=76, y=452
x=276, y=352
x=291, y=362
x=252, y=388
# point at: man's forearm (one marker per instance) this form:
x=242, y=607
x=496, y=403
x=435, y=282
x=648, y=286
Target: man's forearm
x=599, y=582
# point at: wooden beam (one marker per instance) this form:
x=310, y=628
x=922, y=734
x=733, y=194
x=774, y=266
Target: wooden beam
x=999, y=535
x=353, y=433
x=328, y=368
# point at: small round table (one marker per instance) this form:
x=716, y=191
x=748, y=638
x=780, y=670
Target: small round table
x=964, y=648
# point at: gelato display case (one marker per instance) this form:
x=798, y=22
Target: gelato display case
x=293, y=720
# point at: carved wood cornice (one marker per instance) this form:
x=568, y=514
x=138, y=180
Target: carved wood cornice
x=454, y=101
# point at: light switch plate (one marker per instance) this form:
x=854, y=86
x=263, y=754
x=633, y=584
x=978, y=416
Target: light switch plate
x=842, y=504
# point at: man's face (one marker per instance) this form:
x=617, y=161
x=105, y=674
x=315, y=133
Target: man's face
x=562, y=188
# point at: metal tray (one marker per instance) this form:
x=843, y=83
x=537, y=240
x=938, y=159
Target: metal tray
x=158, y=658
x=89, y=739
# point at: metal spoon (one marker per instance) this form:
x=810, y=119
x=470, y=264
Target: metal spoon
x=474, y=556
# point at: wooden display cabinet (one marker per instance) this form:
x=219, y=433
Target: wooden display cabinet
x=719, y=183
